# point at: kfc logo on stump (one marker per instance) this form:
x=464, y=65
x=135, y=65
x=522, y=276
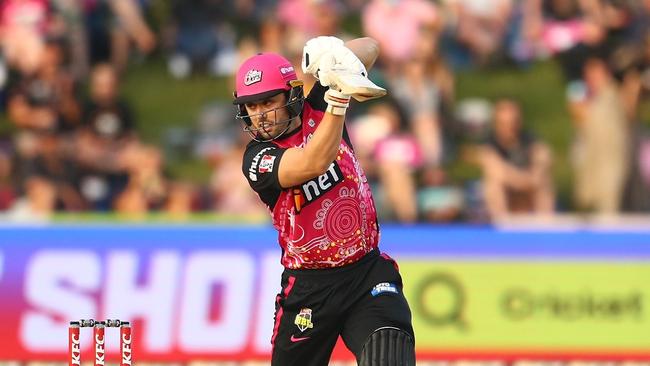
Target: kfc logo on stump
x=252, y=77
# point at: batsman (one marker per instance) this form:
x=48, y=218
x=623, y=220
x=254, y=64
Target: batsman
x=301, y=163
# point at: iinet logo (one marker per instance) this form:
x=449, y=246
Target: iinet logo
x=309, y=191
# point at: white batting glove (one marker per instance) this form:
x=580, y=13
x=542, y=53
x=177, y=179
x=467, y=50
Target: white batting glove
x=342, y=70
x=337, y=102
x=313, y=51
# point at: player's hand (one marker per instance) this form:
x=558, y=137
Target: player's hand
x=337, y=102
x=314, y=50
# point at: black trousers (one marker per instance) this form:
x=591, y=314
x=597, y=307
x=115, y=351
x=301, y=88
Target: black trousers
x=316, y=306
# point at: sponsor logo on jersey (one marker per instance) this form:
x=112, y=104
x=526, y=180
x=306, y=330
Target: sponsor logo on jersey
x=312, y=189
x=303, y=319
x=266, y=164
x=252, y=76
x=383, y=287
x=252, y=170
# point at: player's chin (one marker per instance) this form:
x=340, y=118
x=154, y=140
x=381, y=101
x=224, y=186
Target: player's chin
x=268, y=135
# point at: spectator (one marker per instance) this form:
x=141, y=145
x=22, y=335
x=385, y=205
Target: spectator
x=516, y=167
x=23, y=28
x=38, y=203
x=68, y=23
x=180, y=200
x=569, y=29
x=395, y=25
x=147, y=188
x=7, y=191
x=317, y=18
x=44, y=107
x=230, y=190
x=480, y=25
x=422, y=86
x=113, y=25
x=601, y=149
x=201, y=38
x=107, y=135
x=106, y=115
x=397, y=157
x=438, y=199
x=46, y=100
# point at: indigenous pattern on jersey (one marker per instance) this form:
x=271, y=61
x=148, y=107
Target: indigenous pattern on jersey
x=328, y=221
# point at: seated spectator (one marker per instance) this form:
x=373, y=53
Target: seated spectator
x=106, y=115
x=180, y=200
x=392, y=154
x=54, y=165
x=45, y=110
x=438, y=199
x=46, y=100
x=422, y=86
x=229, y=189
x=37, y=204
x=516, y=167
x=147, y=188
x=108, y=133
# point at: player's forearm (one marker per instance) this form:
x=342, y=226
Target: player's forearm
x=321, y=150
x=366, y=49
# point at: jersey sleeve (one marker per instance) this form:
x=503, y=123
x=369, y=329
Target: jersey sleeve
x=260, y=167
x=316, y=97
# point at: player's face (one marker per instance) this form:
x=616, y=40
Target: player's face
x=269, y=116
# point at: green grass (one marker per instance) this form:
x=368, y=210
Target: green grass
x=162, y=102
x=158, y=218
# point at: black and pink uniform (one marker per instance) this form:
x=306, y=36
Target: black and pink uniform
x=335, y=280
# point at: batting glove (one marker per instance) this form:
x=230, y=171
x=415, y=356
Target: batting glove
x=337, y=102
x=313, y=51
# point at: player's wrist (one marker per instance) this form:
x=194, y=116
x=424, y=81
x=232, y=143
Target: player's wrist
x=337, y=102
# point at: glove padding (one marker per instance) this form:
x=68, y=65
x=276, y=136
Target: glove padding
x=336, y=66
x=313, y=51
x=341, y=69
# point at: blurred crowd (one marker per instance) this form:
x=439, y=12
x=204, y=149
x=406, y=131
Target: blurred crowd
x=73, y=144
